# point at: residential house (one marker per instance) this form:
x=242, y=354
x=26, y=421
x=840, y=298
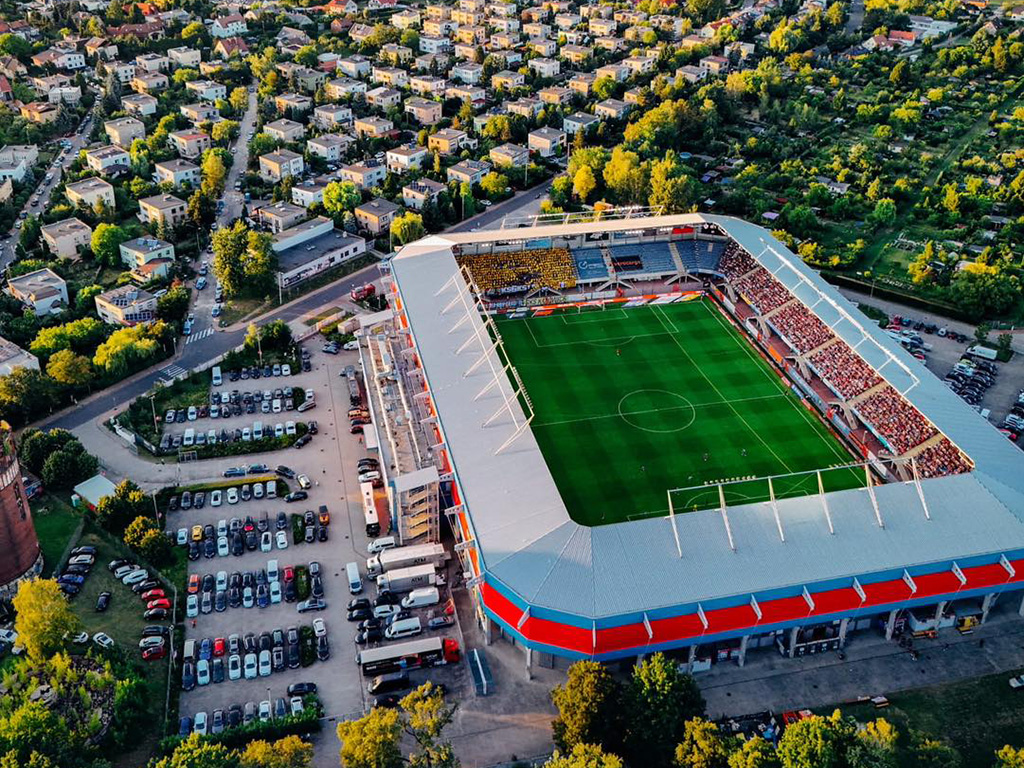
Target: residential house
x=617, y=72
x=208, y=90
x=354, y=66
x=545, y=67
x=374, y=127
x=126, y=305
x=13, y=357
x=341, y=87
x=614, y=109
x=330, y=147
x=190, y=143
x=65, y=237
x=183, y=56
x=427, y=85
x=41, y=112
x=149, y=82
x=199, y=112
x=42, y=291
x=122, y=70
x=228, y=26
x=61, y=58
x=167, y=210
x=403, y=159
x=582, y=83
x=229, y=47
x=468, y=72
x=107, y=160
x=101, y=48
x=525, y=107
x=332, y=116
x=423, y=111
x=394, y=54
x=447, y=141
x=555, y=94
x=576, y=54
x=180, y=173
x=152, y=62
x=64, y=94
x=279, y=216
x=416, y=194
x=429, y=44
x=715, y=65
x=579, y=121
x=285, y=130
x=542, y=47
x=376, y=215
x=124, y=130
x=507, y=80
x=390, y=76
x=468, y=171
x=16, y=160
x=546, y=142
x=510, y=156
x=364, y=175
x=308, y=193
x=293, y=101
x=277, y=166
x=148, y=257
x=90, y=193
x=383, y=98
x=141, y=104
x=690, y=73
x=474, y=94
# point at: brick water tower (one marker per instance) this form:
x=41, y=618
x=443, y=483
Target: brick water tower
x=20, y=556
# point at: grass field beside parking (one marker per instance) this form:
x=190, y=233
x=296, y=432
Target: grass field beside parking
x=632, y=402
x=55, y=521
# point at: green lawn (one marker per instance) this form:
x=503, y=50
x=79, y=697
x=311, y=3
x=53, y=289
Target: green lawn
x=632, y=402
x=55, y=521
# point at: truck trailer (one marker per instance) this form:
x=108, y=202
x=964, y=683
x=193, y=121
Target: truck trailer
x=404, y=557
x=406, y=579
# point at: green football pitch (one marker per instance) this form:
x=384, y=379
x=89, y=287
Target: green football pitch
x=631, y=402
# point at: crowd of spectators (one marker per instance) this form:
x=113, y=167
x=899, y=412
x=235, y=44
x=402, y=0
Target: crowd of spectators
x=845, y=370
x=801, y=327
x=512, y=271
x=895, y=419
x=735, y=262
x=763, y=291
x=941, y=459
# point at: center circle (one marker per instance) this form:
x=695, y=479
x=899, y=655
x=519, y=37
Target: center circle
x=657, y=410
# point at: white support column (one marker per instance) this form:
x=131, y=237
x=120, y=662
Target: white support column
x=743, y=650
x=529, y=663
x=938, y=612
x=488, y=630
x=844, y=625
x=986, y=605
x=890, y=625
x=793, y=633
x=692, y=657
x=1020, y=611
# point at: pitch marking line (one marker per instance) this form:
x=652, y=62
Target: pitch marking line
x=597, y=342
x=718, y=392
x=653, y=410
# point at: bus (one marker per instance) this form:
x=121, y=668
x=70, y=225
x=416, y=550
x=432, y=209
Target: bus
x=370, y=510
x=431, y=652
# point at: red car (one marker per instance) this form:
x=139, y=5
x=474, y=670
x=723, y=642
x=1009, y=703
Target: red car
x=219, y=647
x=162, y=602
x=152, y=654
x=193, y=584
x=153, y=594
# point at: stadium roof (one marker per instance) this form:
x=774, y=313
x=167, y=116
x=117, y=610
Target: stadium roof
x=527, y=540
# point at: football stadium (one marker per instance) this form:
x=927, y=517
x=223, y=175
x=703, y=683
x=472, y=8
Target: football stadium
x=668, y=433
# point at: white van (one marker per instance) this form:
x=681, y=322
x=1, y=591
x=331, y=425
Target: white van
x=190, y=437
x=257, y=430
x=403, y=628
x=306, y=405
x=379, y=545
x=217, y=380
x=355, y=584
x=190, y=650
x=421, y=597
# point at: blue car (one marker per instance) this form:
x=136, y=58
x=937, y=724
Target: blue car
x=206, y=649
x=71, y=578
x=185, y=727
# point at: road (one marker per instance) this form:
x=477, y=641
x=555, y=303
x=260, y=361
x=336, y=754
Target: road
x=525, y=202
x=205, y=325
x=42, y=192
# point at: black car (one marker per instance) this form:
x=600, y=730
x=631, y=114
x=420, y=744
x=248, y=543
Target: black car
x=209, y=548
x=235, y=716
x=293, y=656
x=200, y=500
x=188, y=676
x=172, y=505
x=78, y=570
x=301, y=689
x=156, y=630
x=282, y=521
x=185, y=727
x=251, y=541
x=113, y=565
x=387, y=598
x=217, y=670
x=313, y=428
x=249, y=642
x=237, y=544
x=103, y=602
x=266, y=642
x=358, y=602
x=277, y=659
x=234, y=597
x=302, y=441
x=360, y=614
x=369, y=636
x=144, y=586
x=316, y=586
x=291, y=592
x=372, y=623
x=321, y=533
x=284, y=471
x=220, y=602
x=387, y=700
x=193, y=550
x=86, y=550
x=70, y=589
x=296, y=496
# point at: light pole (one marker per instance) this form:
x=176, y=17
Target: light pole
x=152, y=407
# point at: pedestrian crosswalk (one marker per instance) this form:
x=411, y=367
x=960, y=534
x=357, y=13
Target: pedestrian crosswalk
x=171, y=372
x=199, y=335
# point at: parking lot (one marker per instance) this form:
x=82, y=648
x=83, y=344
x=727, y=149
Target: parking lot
x=329, y=462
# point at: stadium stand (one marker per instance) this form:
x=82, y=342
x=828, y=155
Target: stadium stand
x=708, y=254
x=941, y=459
x=845, y=370
x=657, y=259
x=895, y=419
x=735, y=262
x=526, y=270
x=590, y=264
x=763, y=291
x=802, y=329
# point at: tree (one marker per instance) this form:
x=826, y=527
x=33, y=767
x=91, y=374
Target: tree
x=584, y=183
x=755, y=753
x=173, y=305
x=36, y=445
x=821, y=742
x=372, y=741
x=671, y=188
x=604, y=88
x=31, y=232
x=425, y=716
x=201, y=212
x=898, y=74
x=660, y=699
x=494, y=185
x=561, y=191
x=214, y=173
x=625, y=176
x=128, y=502
x=129, y=349
x=26, y=394
x=261, y=144
x=225, y=131
x=588, y=707
x=184, y=75
x=228, y=246
x=239, y=99
x=584, y=756
x=981, y=291
x=82, y=335
x=467, y=200
x=85, y=299
x=407, y=228
x=981, y=332
x=341, y=196
x=1004, y=343
x=197, y=752
x=701, y=746
x=43, y=618
x=289, y=752
x=37, y=737
x=13, y=45
x=69, y=369
x=145, y=537
x=69, y=466
x=106, y=243
x=193, y=31
x=885, y=211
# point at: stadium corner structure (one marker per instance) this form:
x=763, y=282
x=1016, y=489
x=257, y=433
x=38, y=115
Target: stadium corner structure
x=933, y=536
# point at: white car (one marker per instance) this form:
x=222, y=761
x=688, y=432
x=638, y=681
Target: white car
x=265, y=665
x=279, y=430
x=151, y=642
x=222, y=527
x=234, y=666
x=282, y=540
x=289, y=428
x=223, y=550
x=80, y=639
x=103, y=640
x=296, y=705
x=304, y=482
x=248, y=597
x=266, y=542
x=250, y=666
x=286, y=370
x=232, y=495
x=215, y=499
x=275, y=592
x=319, y=628
x=273, y=571
x=200, y=723
x=202, y=672
x=192, y=606
x=82, y=560
x=1017, y=682
x=264, y=711
x=122, y=571
x=222, y=580
x=257, y=490
x=136, y=577
x=349, y=346
x=182, y=537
